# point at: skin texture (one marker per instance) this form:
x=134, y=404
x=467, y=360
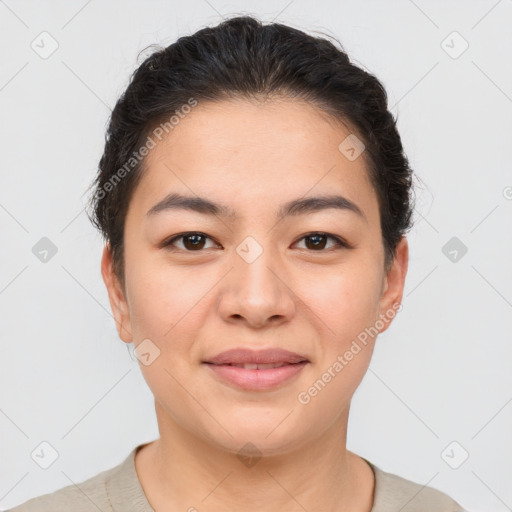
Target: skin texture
x=253, y=157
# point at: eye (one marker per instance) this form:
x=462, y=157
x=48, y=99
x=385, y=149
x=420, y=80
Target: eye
x=317, y=241
x=195, y=241
x=191, y=241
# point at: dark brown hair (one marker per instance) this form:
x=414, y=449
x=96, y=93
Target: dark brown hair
x=242, y=57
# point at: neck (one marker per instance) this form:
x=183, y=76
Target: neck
x=181, y=471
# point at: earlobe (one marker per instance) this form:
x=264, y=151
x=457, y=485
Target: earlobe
x=116, y=296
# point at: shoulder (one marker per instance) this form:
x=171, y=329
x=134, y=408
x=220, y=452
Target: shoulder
x=89, y=495
x=392, y=492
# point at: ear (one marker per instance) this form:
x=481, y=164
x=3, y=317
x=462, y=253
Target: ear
x=393, y=286
x=116, y=296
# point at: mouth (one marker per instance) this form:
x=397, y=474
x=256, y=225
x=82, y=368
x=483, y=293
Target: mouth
x=261, y=378
x=243, y=357
x=256, y=370
x=258, y=366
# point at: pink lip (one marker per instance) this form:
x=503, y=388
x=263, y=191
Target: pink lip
x=244, y=355
x=258, y=379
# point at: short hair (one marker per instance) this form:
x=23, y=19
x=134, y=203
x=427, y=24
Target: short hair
x=244, y=58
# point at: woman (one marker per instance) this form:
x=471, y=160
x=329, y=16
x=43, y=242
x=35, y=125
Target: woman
x=254, y=197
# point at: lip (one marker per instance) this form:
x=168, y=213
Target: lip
x=256, y=379
x=244, y=355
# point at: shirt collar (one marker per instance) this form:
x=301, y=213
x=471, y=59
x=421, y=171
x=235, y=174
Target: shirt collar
x=126, y=494
x=124, y=489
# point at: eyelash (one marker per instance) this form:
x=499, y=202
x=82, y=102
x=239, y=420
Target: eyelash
x=340, y=243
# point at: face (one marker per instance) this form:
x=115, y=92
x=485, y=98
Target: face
x=255, y=273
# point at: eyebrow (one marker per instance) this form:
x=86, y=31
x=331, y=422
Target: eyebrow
x=175, y=201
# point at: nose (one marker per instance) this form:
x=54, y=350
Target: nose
x=256, y=292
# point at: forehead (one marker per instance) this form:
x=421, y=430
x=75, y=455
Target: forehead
x=253, y=153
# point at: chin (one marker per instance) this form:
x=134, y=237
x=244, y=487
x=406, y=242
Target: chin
x=264, y=433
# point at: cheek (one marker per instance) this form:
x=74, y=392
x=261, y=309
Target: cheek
x=346, y=301
x=164, y=299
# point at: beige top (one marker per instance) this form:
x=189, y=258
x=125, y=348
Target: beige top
x=118, y=489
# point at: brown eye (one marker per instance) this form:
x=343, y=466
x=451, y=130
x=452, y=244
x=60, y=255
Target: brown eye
x=318, y=241
x=191, y=242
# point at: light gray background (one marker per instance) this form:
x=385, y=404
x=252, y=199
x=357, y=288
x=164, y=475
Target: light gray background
x=442, y=371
